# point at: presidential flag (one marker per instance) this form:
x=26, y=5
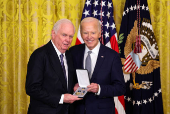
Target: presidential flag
x=140, y=59
x=103, y=11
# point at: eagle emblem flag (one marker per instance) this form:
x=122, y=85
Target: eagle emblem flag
x=140, y=60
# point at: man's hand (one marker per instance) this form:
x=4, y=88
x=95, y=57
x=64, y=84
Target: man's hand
x=68, y=98
x=76, y=86
x=93, y=87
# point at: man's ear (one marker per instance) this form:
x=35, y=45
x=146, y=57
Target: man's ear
x=100, y=34
x=53, y=34
x=81, y=33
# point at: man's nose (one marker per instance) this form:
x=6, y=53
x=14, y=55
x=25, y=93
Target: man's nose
x=89, y=35
x=67, y=39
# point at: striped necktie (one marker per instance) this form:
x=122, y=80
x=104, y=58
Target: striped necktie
x=62, y=64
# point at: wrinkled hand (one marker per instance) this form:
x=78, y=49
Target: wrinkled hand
x=68, y=98
x=76, y=86
x=93, y=87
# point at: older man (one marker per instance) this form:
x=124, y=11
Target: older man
x=104, y=67
x=50, y=75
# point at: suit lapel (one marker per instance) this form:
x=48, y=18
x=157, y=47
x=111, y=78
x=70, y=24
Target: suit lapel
x=80, y=57
x=99, y=62
x=70, y=80
x=55, y=62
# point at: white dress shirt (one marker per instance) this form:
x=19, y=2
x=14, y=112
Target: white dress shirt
x=66, y=68
x=93, y=56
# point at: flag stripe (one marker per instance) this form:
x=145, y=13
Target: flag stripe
x=128, y=63
x=121, y=98
x=120, y=108
x=113, y=40
x=128, y=57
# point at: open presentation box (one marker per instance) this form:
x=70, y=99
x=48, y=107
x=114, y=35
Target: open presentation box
x=83, y=80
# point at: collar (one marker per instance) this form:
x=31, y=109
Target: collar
x=58, y=52
x=95, y=50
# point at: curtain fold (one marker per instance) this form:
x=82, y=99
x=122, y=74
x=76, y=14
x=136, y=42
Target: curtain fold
x=26, y=25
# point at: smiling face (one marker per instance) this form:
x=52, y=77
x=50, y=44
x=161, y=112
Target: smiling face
x=64, y=36
x=90, y=33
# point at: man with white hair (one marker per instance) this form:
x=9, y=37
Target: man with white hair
x=51, y=75
x=104, y=68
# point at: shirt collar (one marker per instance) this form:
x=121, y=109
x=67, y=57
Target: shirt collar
x=58, y=52
x=95, y=50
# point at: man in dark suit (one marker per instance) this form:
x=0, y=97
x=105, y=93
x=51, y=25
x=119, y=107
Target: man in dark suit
x=50, y=74
x=106, y=75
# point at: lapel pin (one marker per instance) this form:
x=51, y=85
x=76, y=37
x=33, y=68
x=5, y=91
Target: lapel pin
x=102, y=56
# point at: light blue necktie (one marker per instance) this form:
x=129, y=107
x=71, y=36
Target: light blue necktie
x=88, y=63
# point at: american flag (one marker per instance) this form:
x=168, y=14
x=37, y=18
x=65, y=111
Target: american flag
x=103, y=11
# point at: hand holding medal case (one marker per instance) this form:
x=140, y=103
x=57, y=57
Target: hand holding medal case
x=83, y=80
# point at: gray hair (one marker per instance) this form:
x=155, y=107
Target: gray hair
x=57, y=25
x=90, y=19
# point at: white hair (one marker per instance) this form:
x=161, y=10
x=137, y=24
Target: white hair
x=57, y=25
x=90, y=19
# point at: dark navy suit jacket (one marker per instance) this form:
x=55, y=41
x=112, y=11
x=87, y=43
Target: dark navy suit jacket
x=45, y=81
x=107, y=73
